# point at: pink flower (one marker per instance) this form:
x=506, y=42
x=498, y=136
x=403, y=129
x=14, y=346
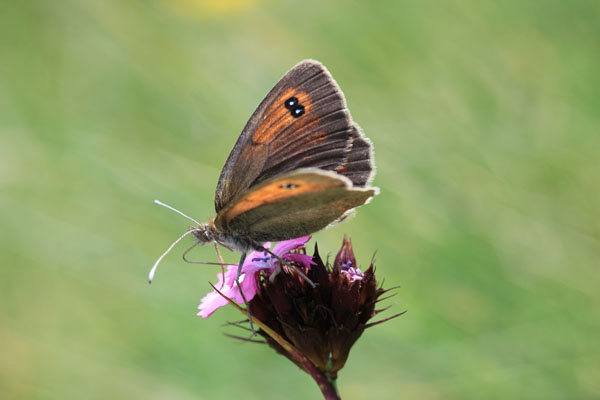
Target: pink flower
x=255, y=263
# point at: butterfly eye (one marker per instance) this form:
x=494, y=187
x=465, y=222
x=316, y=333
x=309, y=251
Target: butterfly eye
x=289, y=186
x=298, y=111
x=291, y=103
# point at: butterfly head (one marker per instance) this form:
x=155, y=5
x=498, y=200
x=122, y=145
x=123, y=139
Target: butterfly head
x=204, y=233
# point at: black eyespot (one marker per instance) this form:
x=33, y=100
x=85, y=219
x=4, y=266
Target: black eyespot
x=291, y=103
x=298, y=111
x=289, y=186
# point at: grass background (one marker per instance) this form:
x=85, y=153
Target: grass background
x=486, y=124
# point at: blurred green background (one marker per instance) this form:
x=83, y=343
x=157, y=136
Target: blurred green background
x=485, y=117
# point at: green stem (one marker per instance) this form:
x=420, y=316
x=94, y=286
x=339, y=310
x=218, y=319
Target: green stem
x=328, y=386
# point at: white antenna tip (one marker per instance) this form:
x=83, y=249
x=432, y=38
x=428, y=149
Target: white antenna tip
x=152, y=272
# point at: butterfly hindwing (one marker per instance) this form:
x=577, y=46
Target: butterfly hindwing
x=302, y=123
x=358, y=166
x=292, y=205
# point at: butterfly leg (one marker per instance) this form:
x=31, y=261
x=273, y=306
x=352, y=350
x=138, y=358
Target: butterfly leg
x=284, y=262
x=237, y=282
x=220, y=257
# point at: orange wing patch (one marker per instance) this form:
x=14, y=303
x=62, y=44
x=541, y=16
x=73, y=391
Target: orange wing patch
x=282, y=188
x=278, y=117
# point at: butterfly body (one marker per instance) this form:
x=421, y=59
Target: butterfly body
x=208, y=233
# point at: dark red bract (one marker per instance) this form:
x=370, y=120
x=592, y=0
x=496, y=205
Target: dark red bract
x=321, y=322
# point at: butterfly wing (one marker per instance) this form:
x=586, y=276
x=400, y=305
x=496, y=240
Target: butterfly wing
x=291, y=205
x=358, y=166
x=303, y=122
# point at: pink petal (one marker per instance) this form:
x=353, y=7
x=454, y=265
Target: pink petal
x=210, y=303
x=248, y=283
x=286, y=246
x=303, y=259
x=213, y=300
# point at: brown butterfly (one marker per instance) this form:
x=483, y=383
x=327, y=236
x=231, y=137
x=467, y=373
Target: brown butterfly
x=299, y=165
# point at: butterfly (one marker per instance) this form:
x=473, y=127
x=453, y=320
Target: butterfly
x=299, y=165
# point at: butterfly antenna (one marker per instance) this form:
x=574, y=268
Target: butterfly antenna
x=153, y=270
x=160, y=203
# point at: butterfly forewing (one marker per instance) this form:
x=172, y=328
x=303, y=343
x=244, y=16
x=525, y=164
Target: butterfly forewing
x=302, y=123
